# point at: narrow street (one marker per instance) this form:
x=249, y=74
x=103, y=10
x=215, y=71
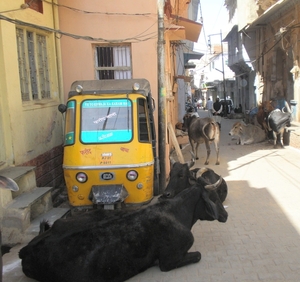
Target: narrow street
x=260, y=240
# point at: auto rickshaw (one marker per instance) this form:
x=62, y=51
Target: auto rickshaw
x=110, y=144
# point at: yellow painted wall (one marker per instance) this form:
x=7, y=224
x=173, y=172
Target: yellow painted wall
x=34, y=127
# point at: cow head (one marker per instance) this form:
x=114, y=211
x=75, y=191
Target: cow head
x=209, y=206
x=180, y=177
x=236, y=129
x=187, y=120
x=267, y=106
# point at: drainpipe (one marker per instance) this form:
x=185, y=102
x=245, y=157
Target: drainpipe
x=57, y=51
x=161, y=96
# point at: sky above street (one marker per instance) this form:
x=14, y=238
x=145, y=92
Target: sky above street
x=215, y=18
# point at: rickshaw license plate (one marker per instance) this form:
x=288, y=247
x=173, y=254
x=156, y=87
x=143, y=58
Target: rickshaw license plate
x=108, y=194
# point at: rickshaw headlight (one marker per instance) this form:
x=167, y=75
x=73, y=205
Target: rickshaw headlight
x=81, y=177
x=136, y=86
x=79, y=89
x=132, y=175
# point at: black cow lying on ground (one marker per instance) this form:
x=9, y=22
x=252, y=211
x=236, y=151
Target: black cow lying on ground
x=181, y=177
x=202, y=130
x=277, y=121
x=119, y=247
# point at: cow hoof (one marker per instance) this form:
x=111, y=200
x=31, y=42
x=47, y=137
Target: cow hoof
x=206, y=163
x=217, y=163
x=197, y=158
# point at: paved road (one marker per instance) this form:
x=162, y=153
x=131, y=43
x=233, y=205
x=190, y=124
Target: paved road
x=260, y=240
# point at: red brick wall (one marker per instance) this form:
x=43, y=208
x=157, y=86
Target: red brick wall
x=49, y=172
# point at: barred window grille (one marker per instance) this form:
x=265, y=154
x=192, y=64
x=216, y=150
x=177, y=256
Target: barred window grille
x=33, y=65
x=42, y=63
x=113, y=62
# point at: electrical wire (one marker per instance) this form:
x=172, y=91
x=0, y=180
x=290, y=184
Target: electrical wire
x=92, y=12
x=138, y=38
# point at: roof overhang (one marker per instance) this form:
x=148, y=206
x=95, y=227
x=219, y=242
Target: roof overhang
x=233, y=31
x=183, y=28
x=190, y=54
x=275, y=11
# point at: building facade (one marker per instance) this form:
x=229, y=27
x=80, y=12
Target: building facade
x=264, y=51
x=30, y=82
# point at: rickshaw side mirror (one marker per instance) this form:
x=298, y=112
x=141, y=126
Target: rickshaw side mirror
x=62, y=108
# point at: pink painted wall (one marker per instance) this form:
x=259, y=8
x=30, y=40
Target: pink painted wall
x=128, y=21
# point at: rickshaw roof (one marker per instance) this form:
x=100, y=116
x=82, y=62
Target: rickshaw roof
x=113, y=86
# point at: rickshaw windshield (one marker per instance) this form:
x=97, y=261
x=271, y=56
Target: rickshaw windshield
x=106, y=121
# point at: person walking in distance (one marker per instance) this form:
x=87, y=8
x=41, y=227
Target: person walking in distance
x=217, y=110
x=209, y=107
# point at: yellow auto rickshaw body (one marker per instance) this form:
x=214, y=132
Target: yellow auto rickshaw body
x=109, y=151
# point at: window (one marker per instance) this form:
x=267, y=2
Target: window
x=106, y=121
x=143, y=121
x=113, y=62
x=70, y=124
x=33, y=65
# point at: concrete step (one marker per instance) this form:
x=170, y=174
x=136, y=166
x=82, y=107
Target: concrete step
x=21, y=211
x=24, y=176
x=12, y=270
x=50, y=216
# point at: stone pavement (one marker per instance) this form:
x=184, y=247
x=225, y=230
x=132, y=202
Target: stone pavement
x=260, y=240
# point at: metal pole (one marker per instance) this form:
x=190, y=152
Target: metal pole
x=225, y=103
x=161, y=96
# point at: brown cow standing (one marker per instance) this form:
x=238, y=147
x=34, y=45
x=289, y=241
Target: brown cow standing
x=203, y=130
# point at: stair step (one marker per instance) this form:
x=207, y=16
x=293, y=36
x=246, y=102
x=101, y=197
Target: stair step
x=19, y=214
x=16, y=172
x=24, y=176
x=27, y=199
x=50, y=216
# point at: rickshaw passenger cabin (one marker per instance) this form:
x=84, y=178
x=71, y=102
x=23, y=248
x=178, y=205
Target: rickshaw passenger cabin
x=109, y=143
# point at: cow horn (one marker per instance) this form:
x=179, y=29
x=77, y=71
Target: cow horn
x=192, y=162
x=201, y=171
x=215, y=185
x=287, y=110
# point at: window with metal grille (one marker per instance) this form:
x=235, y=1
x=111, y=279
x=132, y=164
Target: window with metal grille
x=113, y=62
x=33, y=65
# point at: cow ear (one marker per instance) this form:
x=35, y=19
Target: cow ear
x=210, y=207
